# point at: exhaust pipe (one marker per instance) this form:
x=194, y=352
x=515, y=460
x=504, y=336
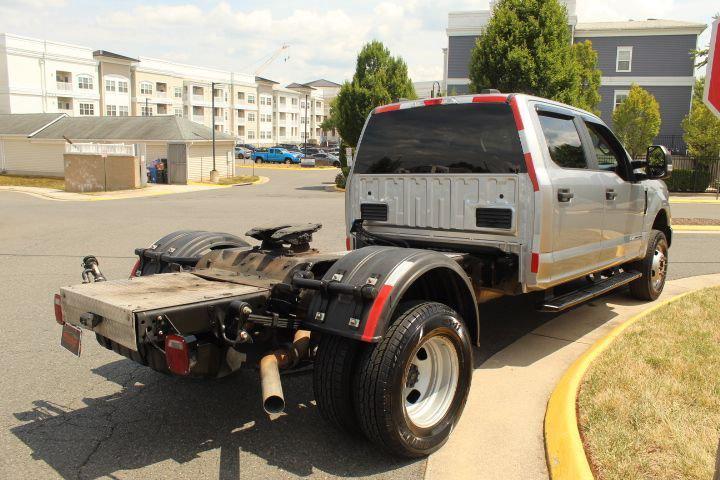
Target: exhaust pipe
x=270, y=365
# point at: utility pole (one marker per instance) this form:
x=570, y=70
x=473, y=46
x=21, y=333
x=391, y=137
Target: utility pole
x=213, y=173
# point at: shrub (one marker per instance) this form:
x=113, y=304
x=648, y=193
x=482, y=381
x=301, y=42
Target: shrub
x=340, y=180
x=689, y=181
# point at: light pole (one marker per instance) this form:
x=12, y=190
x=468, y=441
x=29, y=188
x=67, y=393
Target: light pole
x=306, y=123
x=213, y=174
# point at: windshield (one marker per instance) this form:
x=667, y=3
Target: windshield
x=454, y=138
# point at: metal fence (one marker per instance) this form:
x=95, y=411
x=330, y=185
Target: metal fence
x=674, y=143
x=694, y=174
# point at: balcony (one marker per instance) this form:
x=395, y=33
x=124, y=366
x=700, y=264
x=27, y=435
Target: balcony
x=160, y=94
x=240, y=120
x=198, y=118
x=64, y=86
x=219, y=119
x=197, y=98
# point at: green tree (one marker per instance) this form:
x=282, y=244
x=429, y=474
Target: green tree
x=379, y=79
x=701, y=127
x=586, y=61
x=526, y=48
x=637, y=121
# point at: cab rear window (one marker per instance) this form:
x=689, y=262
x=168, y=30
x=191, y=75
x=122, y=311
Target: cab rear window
x=454, y=138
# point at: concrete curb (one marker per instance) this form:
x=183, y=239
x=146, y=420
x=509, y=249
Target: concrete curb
x=269, y=166
x=696, y=228
x=62, y=196
x=564, y=449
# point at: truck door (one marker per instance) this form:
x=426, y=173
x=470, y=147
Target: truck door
x=578, y=196
x=624, y=200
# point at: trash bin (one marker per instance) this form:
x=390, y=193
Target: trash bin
x=152, y=174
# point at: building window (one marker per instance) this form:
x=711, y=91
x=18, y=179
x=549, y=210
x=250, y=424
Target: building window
x=251, y=98
x=177, y=92
x=146, y=88
x=624, y=59
x=250, y=135
x=111, y=110
x=318, y=105
x=251, y=116
x=178, y=112
x=109, y=85
x=85, y=82
x=64, y=104
x=620, y=97
x=146, y=111
x=294, y=102
x=241, y=96
x=87, y=109
x=122, y=86
x=123, y=111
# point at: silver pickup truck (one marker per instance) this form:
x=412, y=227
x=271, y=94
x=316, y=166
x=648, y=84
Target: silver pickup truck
x=451, y=202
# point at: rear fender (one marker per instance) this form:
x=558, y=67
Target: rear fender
x=398, y=275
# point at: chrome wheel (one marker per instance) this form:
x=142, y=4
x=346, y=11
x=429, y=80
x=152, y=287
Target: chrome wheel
x=431, y=378
x=659, y=268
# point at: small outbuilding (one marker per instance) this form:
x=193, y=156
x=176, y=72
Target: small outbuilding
x=34, y=144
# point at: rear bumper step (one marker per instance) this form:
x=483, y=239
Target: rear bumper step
x=571, y=299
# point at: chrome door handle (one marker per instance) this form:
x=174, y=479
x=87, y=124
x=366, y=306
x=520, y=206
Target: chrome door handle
x=564, y=195
x=610, y=194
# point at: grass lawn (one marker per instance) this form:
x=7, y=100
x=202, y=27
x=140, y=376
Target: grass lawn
x=22, y=181
x=240, y=179
x=649, y=407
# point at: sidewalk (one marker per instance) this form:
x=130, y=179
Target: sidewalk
x=500, y=435
x=151, y=190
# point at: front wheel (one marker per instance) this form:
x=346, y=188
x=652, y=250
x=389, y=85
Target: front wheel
x=258, y=160
x=288, y=161
x=411, y=387
x=653, y=268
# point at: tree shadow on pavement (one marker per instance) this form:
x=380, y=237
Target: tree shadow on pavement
x=156, y=418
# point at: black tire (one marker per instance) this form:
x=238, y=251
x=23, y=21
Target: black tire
x=335, y=365
x=653, y=268
x=337, y=164
x=258, y=160
x=383, y=372
x=288, y=161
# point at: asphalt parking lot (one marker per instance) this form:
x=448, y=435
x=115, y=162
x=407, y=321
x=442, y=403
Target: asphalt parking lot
x=101, y=416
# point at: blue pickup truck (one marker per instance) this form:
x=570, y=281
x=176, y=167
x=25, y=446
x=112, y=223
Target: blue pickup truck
x=276, y=155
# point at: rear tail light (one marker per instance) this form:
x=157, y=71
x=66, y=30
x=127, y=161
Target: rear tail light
x=177, y=354
x=348, y=243
x=58, y=309
x=135, y=269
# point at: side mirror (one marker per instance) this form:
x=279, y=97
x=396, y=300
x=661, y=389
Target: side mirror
x=657, y=164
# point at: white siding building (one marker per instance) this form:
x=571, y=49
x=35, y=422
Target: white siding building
x=38, y=76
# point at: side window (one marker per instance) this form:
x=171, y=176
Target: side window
x=563, y=140
x=608, y=150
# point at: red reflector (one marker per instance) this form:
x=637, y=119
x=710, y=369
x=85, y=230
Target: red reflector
x=177, y=354
x=135, y=269
x=387, y=108
x=348, y=243
x=58, y=309
x=534, y=262
x=433, y=101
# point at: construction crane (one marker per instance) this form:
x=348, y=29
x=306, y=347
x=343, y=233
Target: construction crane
x=272, y=58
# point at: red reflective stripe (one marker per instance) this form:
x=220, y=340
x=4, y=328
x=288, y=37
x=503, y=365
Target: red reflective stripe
x=516, y=113
x=534, y=262
x=433, y=101
x=348, y=243
x=387, y=108
x=375, y=311
x=714, y=83
x=490, y=99
x=57, y=301
x=531, y=172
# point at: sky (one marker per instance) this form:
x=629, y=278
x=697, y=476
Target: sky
x=324, y=37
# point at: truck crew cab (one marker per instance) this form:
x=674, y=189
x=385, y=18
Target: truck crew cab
x=450, y=202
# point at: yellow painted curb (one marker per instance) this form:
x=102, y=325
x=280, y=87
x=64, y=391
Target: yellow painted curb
x=694, y=200
x=697, y=228
x=270, y=166
x=564, y=450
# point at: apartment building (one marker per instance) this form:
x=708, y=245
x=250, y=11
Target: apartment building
x=328, y=91
x=38, y=76
x=653, y=53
